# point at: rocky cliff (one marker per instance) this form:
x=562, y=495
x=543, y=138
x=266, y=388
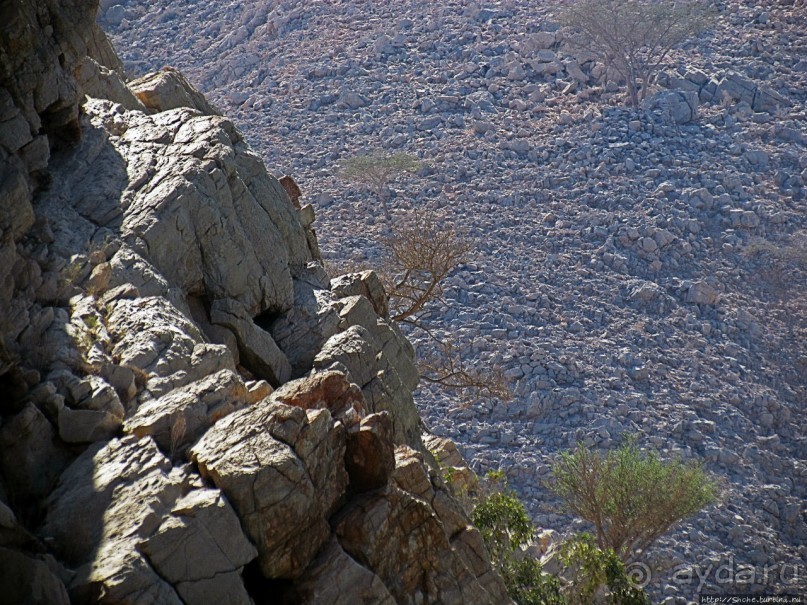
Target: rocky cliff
x=191, y=411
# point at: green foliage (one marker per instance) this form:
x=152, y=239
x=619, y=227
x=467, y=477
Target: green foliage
x=506, y=528
x=592, y=568
x=528, y=585
x=376, y=169
x=632, y=497
x=635, y=37
x=504, y=523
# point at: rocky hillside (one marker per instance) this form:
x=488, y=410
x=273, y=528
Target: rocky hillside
x=635, y=272
x=191, y=410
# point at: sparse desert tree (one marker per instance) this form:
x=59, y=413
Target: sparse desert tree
x=634, y=37
x=631, y=497
x=421, y=252
x=443, y=365
x=375, y=170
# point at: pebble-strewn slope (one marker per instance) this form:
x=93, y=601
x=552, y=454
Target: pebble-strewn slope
x=630, y=275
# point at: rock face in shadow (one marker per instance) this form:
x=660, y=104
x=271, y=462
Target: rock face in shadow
x=158, y=292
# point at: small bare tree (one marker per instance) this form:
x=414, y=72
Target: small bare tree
x=445, y=367
x=421, y=253
x=376, y=170
x=634, y=37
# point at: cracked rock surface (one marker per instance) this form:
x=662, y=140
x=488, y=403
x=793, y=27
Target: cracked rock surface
x=159, y=291
x=635, y=272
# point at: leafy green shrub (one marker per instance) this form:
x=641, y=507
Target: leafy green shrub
x=506, y=528
x=592, y=569
x=527, y=584
x=504, y=524
x=632, y=497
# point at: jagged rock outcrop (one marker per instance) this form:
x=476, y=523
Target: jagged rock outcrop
x=169, y=89
x=283, y=469
x=158, y=292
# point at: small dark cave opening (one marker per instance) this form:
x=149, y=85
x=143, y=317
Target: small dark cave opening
x=266, y=319
x=13, y=390
x=268, y=591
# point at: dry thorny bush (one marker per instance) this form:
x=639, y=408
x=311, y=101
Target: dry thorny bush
x=634, y=38
x=420, y=252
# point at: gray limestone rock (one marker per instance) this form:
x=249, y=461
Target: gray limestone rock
x=301, y=331
x=367, y=284
x=740, y=88
x=200, y=549
x=111, y=497
x=282, y=469
x=29, y=580
x=181, y=416
x=100, y=82
x=357, y=352
x=401, y=540
x=701, y=293
x=677, y=106
x=257, y=349
x=31, y=458
x=169, y=89
x=335, y=578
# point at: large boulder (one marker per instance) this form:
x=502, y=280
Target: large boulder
x=364, y=283
x=137, y=531
x=676, y=106
x=412, y=475
x=328, y=390
x=202, y=528
x=181, y=416
x=302, y=330
x=401, y=539
x=740, y=88
x=360, y=353
x=184, y=192
x=103, y=501
x=370, y=457
x=283, y=470
x=335, y=578
x=31, y=457
x=169, y=89
x=29, y=580
x=257, y=350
